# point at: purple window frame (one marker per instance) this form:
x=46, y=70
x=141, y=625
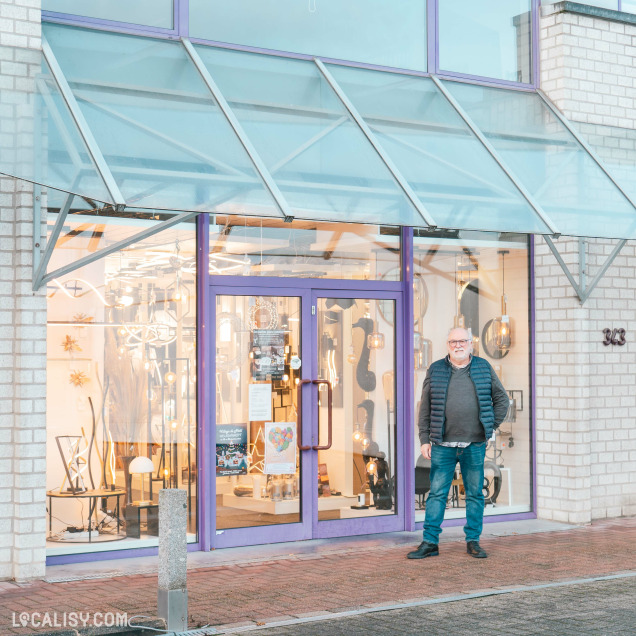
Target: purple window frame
x=206, y=521
x=181, y=29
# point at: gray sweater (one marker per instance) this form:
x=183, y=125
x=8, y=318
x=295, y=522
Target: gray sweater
x=462, y=409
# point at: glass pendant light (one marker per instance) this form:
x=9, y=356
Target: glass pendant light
x=502, y=324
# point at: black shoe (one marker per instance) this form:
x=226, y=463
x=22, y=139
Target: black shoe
x=424, y=550
x=474, y=549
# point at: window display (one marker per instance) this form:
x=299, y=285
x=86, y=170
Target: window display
x=479, y=282
x=307, y=249
x=121, y=392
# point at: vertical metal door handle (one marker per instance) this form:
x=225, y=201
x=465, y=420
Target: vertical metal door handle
x=299, y=410
x=329, y=415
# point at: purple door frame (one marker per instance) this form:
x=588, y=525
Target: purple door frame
x=308, y=291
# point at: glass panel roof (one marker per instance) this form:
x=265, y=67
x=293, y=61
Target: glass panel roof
x=458, y=181
x=319, y=157
x=567, y=183
x=169, y=146
x=162, y=134
x=39, y=142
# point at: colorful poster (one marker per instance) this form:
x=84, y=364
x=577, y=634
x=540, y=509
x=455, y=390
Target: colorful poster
x=268, y=348
x=260, y=406
x=231, y=449
x=280, y=448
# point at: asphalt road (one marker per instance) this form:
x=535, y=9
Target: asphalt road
x=598, y=607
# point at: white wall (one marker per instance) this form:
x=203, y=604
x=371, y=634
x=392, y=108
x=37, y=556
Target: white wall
x=586, y=426
x=22, y=318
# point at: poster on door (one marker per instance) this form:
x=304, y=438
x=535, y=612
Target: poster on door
x=280, y=448
x=231, y=449
x=268, y=349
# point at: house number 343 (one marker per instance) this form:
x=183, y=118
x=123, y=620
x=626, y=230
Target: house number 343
x=614, y=337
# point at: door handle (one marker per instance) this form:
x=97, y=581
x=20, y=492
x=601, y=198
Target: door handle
x=299, y=410
x=329, y=415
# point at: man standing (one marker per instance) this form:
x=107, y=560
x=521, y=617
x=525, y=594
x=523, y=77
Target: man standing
x=463, y=402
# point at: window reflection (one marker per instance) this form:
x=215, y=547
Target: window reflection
x=268, y=247
x=492, y=38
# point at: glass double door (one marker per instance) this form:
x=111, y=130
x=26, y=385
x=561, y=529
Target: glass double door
x=306, y=414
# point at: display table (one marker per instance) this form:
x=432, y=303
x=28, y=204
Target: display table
x=286, y=506
x=92, y=496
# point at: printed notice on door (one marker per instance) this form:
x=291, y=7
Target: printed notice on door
x=231, y=449
x=268, y=350
x=260, y=407
x=280, y=448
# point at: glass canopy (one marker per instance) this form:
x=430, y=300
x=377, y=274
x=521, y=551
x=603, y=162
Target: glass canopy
x=154, y=124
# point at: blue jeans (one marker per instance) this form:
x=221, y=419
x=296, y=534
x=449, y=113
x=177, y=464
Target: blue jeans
x=443, y=462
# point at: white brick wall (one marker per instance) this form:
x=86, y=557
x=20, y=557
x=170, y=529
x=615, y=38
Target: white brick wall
x=22, y=324
x=586, y=421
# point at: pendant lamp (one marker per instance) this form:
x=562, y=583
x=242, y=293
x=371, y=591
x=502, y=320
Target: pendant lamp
x=502, y=324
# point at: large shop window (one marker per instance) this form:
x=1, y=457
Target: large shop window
x=490, y=38
x=153, y=13
x=482, y=284
x=371, y=31
x=121, y=384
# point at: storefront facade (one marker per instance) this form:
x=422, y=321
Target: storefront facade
x=258, y=253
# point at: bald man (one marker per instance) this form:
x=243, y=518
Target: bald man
x=463, y=403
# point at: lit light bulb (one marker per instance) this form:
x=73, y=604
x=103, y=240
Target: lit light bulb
x=170, y=377
x=357, y=436
x=147, y=365
x=121, y=331
x=174, y=424
x=296, y=381
x=285, y=378
x=166, y=472
x=121, y=350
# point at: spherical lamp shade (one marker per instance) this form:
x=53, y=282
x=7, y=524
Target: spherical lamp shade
x=141, y=465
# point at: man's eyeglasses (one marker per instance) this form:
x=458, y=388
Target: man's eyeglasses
x=454, y=343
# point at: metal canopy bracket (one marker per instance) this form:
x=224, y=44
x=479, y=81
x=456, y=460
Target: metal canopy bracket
x=495, y=155
x=115, y=247
x=582, y=289
x=43, y=261
x=257, y=162
x=400, y=180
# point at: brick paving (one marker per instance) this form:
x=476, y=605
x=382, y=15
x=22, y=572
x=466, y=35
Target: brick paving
x=263, y=592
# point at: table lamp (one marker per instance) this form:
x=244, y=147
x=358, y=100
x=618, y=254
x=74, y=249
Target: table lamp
x=139, y=466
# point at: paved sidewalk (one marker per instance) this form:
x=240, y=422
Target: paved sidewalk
x=591, y=608
x=330, y=577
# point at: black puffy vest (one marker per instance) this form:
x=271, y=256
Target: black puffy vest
x=479, y=372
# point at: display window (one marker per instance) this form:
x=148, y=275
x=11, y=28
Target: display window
x=242, y=246
x=121, y=384
x=479, y=282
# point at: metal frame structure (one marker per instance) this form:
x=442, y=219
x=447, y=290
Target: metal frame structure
x=266, y=175
x=582, y=289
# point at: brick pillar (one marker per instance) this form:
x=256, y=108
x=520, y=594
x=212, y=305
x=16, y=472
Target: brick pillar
x=22, y=314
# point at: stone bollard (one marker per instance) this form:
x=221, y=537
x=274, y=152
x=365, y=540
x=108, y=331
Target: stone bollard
x=172, y=594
